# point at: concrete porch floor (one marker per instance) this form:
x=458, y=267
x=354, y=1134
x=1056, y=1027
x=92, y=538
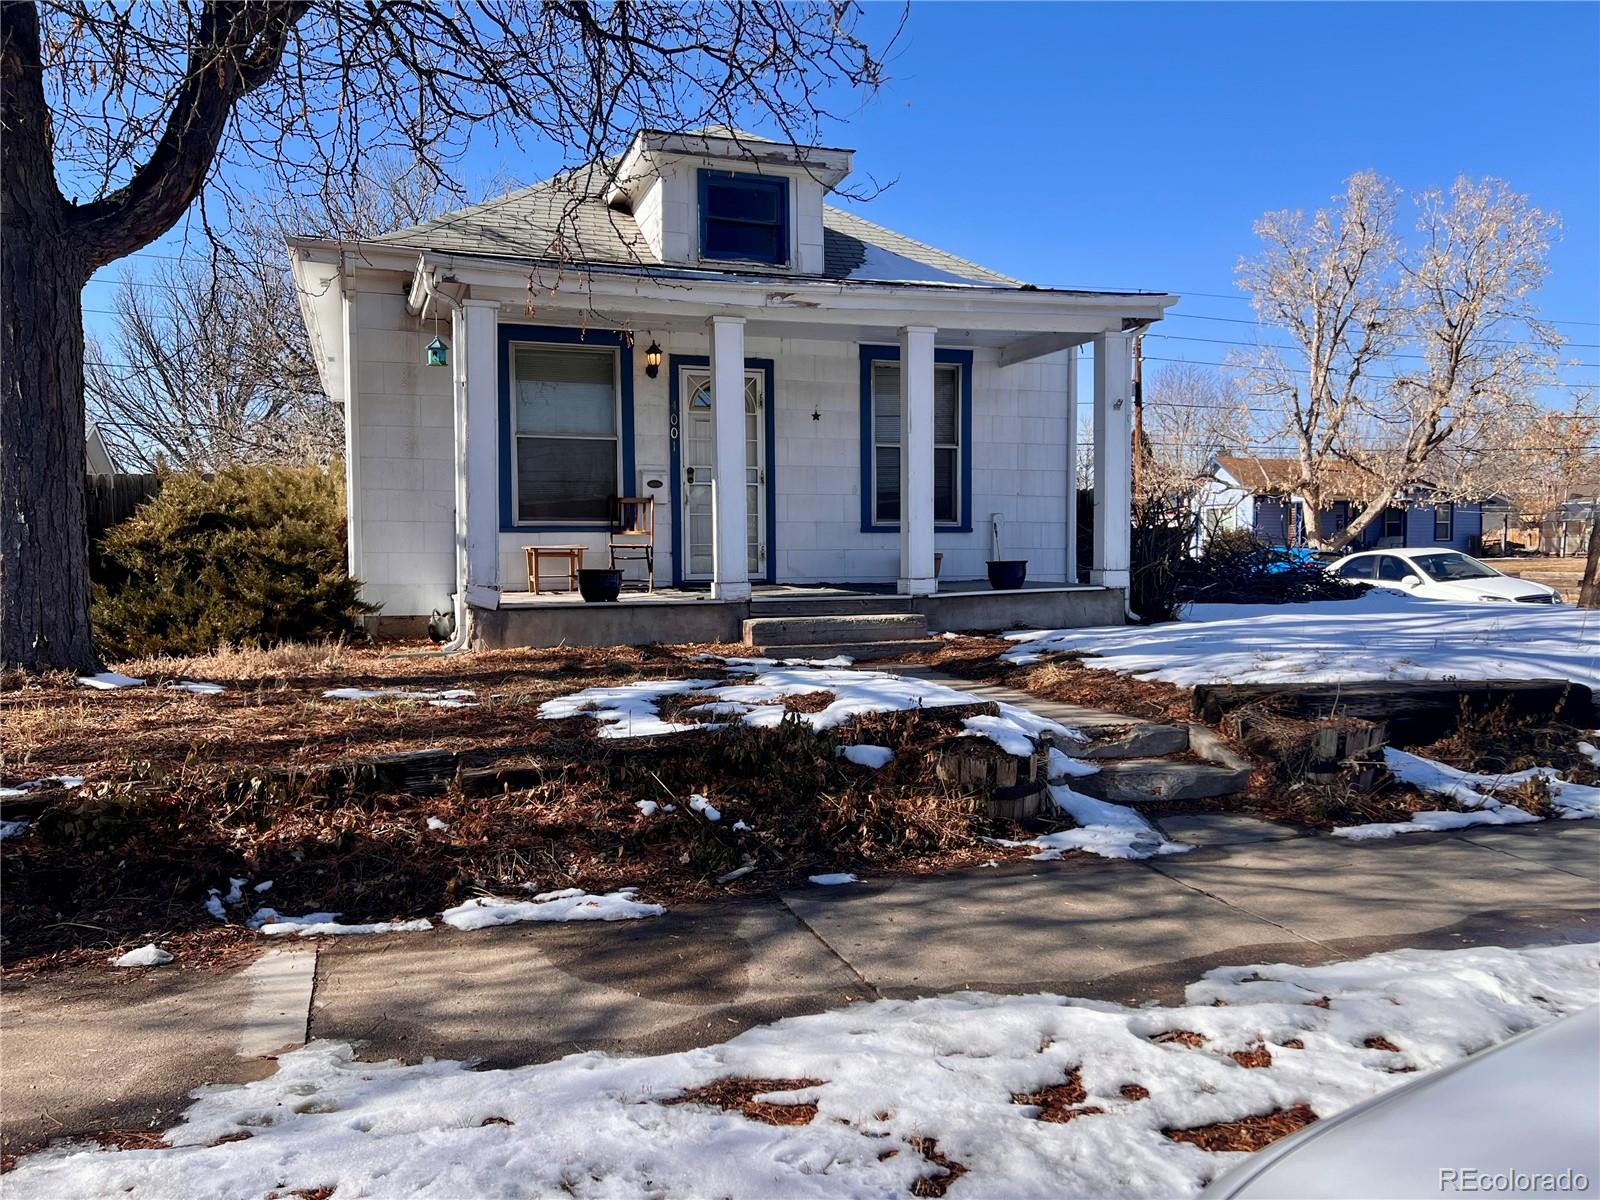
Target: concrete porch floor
x=777, y=593
x=684, y=615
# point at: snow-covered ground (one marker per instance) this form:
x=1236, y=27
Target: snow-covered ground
x=884, y=1076
x=1474, y=794
x=1109, y=830
x=632, y=710
x=1381, y=635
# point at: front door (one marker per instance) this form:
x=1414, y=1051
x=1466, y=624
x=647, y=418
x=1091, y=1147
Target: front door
x=697, y=465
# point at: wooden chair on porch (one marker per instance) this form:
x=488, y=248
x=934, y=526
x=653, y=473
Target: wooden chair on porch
x=633, y=534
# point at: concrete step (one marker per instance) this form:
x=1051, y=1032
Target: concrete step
x=829, y=606
x=1135, y=741
x=815, y=631
x=1147, y=780
x=856, y=650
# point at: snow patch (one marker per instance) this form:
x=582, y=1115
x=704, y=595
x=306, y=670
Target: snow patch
x=1472, y=791
x=198, y=687
x=11, y=829
x=570, y=904
x=876, y=757
x=109, y=680
x=327, y=924
x=438, y=826
x=14, y=790
x=150, y=955
x=834, y=879
x=1109, y=830
x=699, y=804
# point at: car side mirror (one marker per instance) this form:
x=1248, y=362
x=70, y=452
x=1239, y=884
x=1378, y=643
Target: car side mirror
x=1410, y=581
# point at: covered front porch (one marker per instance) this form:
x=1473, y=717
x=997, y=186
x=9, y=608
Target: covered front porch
x=804, y=433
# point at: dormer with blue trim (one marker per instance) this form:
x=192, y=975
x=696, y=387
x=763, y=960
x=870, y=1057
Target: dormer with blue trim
x=724, y=199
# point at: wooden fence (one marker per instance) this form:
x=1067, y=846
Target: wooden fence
x=110, y=499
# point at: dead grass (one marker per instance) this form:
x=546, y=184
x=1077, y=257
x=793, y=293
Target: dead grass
x=1255, y=1057
x=273, y=713
x=949, y=1170
x=1135, y=1091
x=1180, y=1037
x=1250, y=1134
x=1059, y=1102
x=130, y=859
x=738, y=1093
x=131, y=1139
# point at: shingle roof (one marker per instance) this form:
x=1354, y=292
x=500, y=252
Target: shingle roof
x=1277, y=476
x=567, y=217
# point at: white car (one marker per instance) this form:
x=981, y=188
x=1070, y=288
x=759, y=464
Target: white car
x=1516, y=1120
x=1438, y=573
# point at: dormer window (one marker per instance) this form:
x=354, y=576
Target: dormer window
x=744, y=218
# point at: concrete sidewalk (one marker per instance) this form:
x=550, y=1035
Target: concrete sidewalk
x=86, y=1052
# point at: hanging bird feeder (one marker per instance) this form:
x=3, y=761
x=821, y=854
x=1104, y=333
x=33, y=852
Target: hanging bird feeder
x=438, y=353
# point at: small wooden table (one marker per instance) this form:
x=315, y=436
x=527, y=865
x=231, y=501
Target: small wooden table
x=572, y=554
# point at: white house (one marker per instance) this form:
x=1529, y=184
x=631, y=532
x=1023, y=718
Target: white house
x=809, y=398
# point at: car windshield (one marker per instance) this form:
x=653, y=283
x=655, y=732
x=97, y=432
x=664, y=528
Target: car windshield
x=1448, y=567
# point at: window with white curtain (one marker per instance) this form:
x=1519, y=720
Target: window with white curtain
x=886, y=412
x=564, y=414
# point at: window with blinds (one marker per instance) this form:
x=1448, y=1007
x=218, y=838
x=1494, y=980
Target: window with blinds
x=564, y=414
x=886, y=410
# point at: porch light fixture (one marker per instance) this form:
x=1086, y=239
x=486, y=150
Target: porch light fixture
x=438, y=353
x=652, y=360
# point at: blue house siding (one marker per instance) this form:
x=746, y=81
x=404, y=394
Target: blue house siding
x=1274, y=526
x=1272, y=520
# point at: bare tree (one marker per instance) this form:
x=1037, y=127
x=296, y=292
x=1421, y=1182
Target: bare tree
x=209, y=364
x=1537, y=463
x=1191, y=413
x=1404, y=354
x=116, y=118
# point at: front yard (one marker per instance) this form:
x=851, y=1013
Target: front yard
x=319, y=790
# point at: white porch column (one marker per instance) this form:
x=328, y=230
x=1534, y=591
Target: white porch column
x=478, y=448
x=1072, y=466
x=916, y=460
x=730, y=544
x=1113, y=461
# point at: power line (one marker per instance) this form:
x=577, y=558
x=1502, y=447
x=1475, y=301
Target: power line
x=1179, y=337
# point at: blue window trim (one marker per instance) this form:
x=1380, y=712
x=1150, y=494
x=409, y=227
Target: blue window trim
x=765, y=366
x=559, y=335
x=963, y=359
x=745, y=178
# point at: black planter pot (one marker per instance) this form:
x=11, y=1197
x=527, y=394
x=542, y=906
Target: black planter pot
x=1007, y=574
x=599, y=584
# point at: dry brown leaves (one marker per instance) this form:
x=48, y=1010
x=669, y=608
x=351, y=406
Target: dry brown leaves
x=1181, y=1037
x=738, y=1093
x=949, y=1169
x=1249, y=1134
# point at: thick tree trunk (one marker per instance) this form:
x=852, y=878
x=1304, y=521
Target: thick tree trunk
x=44, y=568
x=44, y=564
x=1589, y=590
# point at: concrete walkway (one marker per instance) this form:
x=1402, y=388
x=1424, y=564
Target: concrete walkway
x=93, y=1050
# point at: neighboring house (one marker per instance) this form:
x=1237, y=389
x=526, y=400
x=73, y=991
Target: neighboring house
x=1249, y=492
x=708, y=332
x=97, y=459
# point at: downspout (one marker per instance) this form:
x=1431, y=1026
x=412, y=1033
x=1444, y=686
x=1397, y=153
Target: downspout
x=458, y=401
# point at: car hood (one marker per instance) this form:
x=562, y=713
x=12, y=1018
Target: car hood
x=1495, y=585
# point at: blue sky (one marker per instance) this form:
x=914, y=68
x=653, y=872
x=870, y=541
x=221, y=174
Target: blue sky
x=1132, y=145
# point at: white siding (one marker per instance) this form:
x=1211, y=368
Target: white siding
x=1019, y=467
x=406, y=476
